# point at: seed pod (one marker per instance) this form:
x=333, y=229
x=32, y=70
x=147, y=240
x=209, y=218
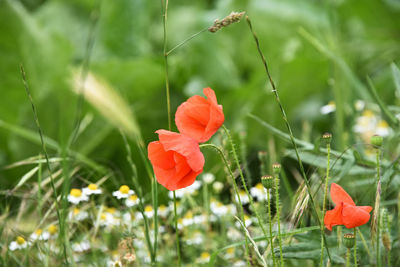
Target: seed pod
x=276, y=167
x=267, y=181
x=349, y=240
x=327, y=137
x=377, y=140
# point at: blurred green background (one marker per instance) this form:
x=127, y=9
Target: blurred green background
x=317, y=51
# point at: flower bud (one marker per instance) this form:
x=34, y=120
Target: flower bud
x=327, y=137
x=276, y=167
x=349, y=240
x=377, y=140
x=267, y=181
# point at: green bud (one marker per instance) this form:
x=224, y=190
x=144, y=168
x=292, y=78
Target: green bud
x=327, y=137
x=349, y=240
x=276, y=167
x=267, y=181
x=377, y=140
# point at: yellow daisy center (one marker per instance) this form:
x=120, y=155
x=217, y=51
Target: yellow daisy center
x=133, y=197
x=75, y=192
x=20, y=240
x=103, y=216
x=259, y=186
x=332, y=103
x=124, y=189
x=110, y=210
x=246, y=217
x=230, y=250
x=368, y=113
x=162, y=208
x=205, y=255
x=148, y=208
x=38, y=231
x=189, y=215
x=92, y=187
x=383, y=124
x=52, y=229
x=76, y=211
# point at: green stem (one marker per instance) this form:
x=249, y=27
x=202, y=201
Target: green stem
x=178, y=251
x=236, y=159
x=221, y=153
x=278, y=215
x=328, y=148
x=377, y=204
x=185, y=41
x=348, y=258
x=270, y=227
x=165, y=16
x=275, y=91
x=355, y=247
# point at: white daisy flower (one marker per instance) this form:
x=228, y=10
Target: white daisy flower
x=229, y=253
x=123, y=192
x=188, y=219
x=91, y=189
x=218, y=186
x=163, y=211
x=110, y=217
x=258, y=192
x=179, y=207
x=247, y=222
x=190, y=190
x=329, y=108
x=208, y=178
x=53, y=230
x=196, y=239
x=239, y=263
x=75, y=196
x=199, y=219
x=19, y=243
x=78, y=215
x=243, y=197
x=132, y=200
x=81, y=247
x=359, y=105
x=148, y=211
x=218, y=208
x=39, y=234
x=204, y=258
x=233, y=234
x=180, y=224
x=383, y=128
x=116, y=263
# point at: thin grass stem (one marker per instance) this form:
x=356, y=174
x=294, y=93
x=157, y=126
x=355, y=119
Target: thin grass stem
x=377, y=207
x=185, y=41
x=236, y=189
x=275, y=91
x=355, y=247
x=178, y=250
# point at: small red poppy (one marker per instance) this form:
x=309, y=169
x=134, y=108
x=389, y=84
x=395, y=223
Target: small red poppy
x=176, y=159
x=346, y=212
x=199, y=117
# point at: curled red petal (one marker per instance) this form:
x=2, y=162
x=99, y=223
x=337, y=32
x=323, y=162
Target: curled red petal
x=183, y=145
x=159, y=157
x=338, y=195
x=333, y=217
x=354, y=216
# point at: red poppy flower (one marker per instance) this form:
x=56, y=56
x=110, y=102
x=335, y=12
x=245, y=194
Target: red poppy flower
x=199, y=117
x=176, y=159
x=346, y=212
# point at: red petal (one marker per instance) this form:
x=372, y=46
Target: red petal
x=183, y=145
x=338, y=195
x=159, y=157
x=354, y=216
x=210, y=94
x=187, y=180
x=333, y=217
x=166, y=177
x=366, y=208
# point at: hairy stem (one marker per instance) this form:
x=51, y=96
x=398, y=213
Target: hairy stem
x=328, y=148
x=355, y=247
x=275, y=91
x=377, y=207
x=270, y=227
x=278, y=215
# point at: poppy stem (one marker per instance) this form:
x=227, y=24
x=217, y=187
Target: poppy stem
x=275, y=91
x=221, y=153
x=236, y=159
x=348, y=258
x=278, y=215
x=270, y=227
x=355, y=246
x=328, y=148
x=377, y=206
x=178, y=250
x=164, y=4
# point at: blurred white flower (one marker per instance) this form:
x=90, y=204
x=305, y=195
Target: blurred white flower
x=75, y=196
x=218, y=186
x=258, y=192
x=247, y=222
x=229, y=253
x=359, y=105
x=329, y=108
x=91, y=189
x=163, y=211
x=132, y=200
x=77, y=215
x=123, y=192
x=188, y=219
x=239, y=263
x=204, y=258
x=208, y=178
x=39, y=234
x=19, y=243
x=148, y=211
x=190, y=190
x=195, y=239
x=81, y=247
x=243, y=197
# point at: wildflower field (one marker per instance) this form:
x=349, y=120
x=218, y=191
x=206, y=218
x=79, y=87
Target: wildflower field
x=199, y=133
